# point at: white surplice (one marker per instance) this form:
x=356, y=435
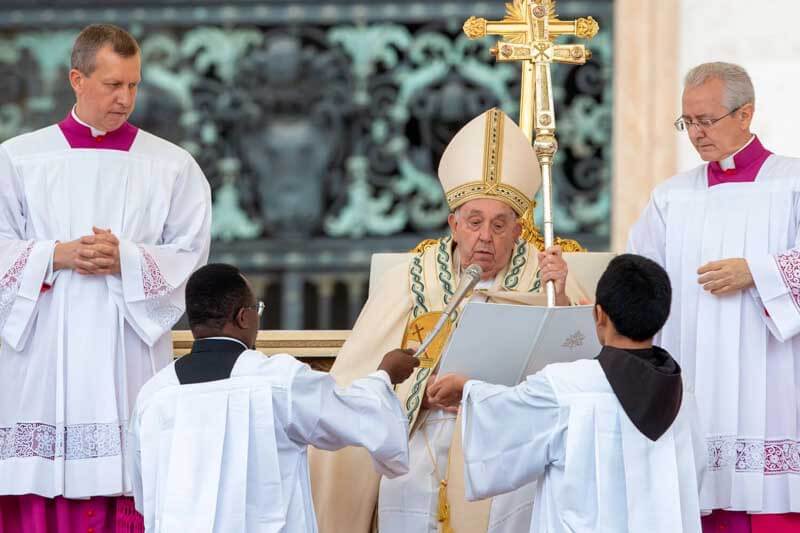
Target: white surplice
x=229, y=456
x=411, y=502
x=740, y=353
x=596, y=472
x=74, y=357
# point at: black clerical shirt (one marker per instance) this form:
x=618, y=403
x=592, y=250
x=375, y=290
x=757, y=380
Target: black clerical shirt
x=211, y=359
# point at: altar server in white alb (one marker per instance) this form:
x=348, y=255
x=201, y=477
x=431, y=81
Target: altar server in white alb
x=101, y=225
x=614, y=441
x=727, y=234
x=218, y=439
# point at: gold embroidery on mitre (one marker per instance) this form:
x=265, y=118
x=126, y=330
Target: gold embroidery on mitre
x=470, y=191
x=493, y=150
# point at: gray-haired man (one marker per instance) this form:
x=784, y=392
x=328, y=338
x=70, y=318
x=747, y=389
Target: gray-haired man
x=727, y=234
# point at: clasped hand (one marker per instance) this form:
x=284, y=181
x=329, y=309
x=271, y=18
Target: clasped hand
x=92, y=255
x=444, y=392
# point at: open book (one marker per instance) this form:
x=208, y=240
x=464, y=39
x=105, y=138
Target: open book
x=503, y=344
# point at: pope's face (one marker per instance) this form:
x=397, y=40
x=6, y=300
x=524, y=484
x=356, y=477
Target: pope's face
x=485, y=232
x=107, y=96
x=724, y=137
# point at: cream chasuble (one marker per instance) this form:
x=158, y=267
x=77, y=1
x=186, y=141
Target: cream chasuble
x=489, y=158
x=345, y=488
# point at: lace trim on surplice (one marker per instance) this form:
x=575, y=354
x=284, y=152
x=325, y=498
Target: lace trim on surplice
x=10, y=282
x=80, y=441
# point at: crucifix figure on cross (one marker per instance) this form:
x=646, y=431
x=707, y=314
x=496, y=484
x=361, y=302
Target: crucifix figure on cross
x=529, y=31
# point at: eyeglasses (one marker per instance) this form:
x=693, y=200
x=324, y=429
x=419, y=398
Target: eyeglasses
x=259, y=307
x=704, y=123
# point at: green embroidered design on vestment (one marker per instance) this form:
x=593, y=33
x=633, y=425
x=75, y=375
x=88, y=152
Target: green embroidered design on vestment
x=418, y=286
x=443, y=268
x=537, y=282
x=518, y=261
x=413, y=403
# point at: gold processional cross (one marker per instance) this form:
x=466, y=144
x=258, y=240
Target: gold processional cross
x=528, y=34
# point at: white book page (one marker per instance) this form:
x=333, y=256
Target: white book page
x=568, y=334
x=503, y=343
x=493, y=342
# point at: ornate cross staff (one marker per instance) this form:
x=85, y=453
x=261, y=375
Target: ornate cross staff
x=529, y=31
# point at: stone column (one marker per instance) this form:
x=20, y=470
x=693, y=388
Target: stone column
x=292, y=300
x=325, y=288
x=646, y=103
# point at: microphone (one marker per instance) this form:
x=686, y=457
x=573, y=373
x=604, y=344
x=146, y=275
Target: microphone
x=469, y=278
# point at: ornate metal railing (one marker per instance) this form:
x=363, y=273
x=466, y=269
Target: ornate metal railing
x=318, y=124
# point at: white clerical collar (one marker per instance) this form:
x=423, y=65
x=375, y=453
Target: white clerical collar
x=485, y=283
x=482, y=283
x=224, y=339
x=95, y=131
x=728, y=163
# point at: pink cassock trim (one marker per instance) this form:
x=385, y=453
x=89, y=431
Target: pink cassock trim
x=748, y=162
x=79, y=136
x=775, y=523
x=726, y=522
x=30, y=513
x=741, y=522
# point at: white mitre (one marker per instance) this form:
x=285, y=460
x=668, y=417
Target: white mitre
x=490, y=158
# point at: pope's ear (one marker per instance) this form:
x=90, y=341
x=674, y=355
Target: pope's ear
x=518, y=228
x=452, y=221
